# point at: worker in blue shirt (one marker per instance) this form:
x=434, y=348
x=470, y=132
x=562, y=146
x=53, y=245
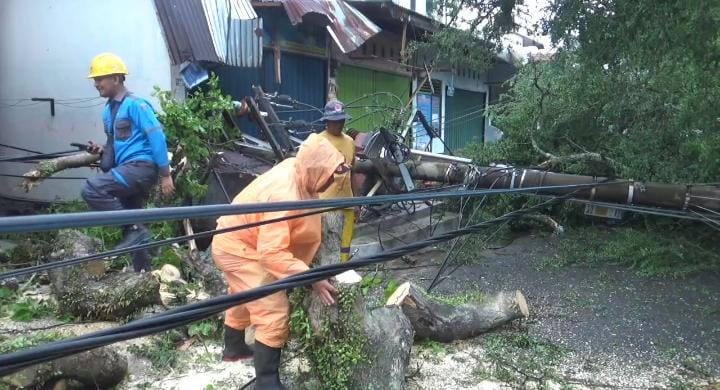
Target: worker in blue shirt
x=133, y=156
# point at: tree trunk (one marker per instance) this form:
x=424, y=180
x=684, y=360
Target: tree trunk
x=86, y=292
x=100, y=368
x=443, y=322
x=385, y=332
x=202, y=263
x=49, y=167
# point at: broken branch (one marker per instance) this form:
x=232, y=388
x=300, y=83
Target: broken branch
x=47, y=168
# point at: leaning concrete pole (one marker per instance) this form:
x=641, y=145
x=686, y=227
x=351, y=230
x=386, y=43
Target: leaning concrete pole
x=630, y=192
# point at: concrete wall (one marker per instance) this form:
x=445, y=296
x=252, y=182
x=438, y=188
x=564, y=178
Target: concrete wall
x=45, y=51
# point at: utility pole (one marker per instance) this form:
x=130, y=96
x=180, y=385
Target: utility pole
x=622, y=191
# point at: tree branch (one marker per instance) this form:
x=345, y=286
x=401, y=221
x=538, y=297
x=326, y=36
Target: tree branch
x=47, y=168
x=552, y=159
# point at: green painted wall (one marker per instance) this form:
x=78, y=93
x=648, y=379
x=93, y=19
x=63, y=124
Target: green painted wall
x=464, y=118
x=367, y=113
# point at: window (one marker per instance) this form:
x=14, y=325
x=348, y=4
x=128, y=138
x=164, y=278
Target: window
x=429, y=104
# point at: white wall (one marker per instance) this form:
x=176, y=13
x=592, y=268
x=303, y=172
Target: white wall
x=459, y=82
x=420, y=6
x=45, y=51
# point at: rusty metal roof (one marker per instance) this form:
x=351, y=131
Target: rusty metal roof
x=347, y=26
x=224, y=31
x=390, y=16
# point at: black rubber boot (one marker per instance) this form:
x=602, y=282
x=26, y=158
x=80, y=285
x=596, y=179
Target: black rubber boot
x=267, y=364
x=142, y=261
x=235, y=347
x=133, y=235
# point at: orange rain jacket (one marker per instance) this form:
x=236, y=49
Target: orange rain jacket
x=252, y=257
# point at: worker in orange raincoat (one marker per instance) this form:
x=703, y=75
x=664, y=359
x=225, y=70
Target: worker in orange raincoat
x=256, y=256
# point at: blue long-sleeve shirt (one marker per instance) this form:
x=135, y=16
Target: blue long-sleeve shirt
x=136, y=133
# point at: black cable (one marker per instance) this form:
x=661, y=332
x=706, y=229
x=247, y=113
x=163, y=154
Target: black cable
x=48, y=222
x=42, y=156
x=169, y=241
x=449, y=256
x=45, y=178
x=187, y=314
x=155, y=244
x=20, y=149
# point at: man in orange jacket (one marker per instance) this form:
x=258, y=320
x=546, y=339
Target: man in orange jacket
x=254, y=257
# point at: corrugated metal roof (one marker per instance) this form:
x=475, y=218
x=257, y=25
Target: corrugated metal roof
x=225, y=31
x=347, y=26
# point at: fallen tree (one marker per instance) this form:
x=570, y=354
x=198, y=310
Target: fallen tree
x=87, y=292
x=372, y=344
x=100, y=368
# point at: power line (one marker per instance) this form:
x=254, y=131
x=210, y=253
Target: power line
x=149, y=245
x=187, y=314
x=42, y=156
x=20, y=149
x=46, y=222
x=45, y=178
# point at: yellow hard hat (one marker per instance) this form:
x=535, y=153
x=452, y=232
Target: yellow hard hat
x=105, y=64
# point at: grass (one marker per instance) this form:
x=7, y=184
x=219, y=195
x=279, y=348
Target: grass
x=435, y=347
x=656, y=250
x=20, y=342
x=692, y=374
x=161, y=352
x=461, y=298
x=23, y=309
x=519, y=359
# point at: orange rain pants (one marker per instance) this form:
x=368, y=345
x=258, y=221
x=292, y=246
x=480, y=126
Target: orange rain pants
x=256, y=256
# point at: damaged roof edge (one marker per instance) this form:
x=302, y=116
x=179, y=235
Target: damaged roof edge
x=347, y=26
x=396, y=12
x=211, y=30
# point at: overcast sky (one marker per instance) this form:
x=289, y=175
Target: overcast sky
x=534, y=11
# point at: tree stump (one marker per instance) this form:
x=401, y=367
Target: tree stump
x=383, y=336
x=86, y=292
x=445, y=323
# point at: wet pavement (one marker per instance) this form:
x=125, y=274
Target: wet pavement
x=608, y=316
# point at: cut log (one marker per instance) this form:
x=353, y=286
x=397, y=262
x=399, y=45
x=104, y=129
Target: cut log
x=101, y=368
x=443, y=322
x=86, y=292
x=47, y=168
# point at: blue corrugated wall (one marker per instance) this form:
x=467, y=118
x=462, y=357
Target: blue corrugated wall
x=303, y=78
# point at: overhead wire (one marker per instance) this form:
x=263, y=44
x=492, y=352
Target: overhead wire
x=169, y=241
x=116, y=252
x=19, y=149
x=36, y=157
x=122, y=217
x=45, y=178
x=449, y=255
x=187, y=314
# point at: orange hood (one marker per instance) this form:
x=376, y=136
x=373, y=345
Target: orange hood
x=316, y=163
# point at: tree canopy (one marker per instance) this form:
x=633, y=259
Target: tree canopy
x=633, y=90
